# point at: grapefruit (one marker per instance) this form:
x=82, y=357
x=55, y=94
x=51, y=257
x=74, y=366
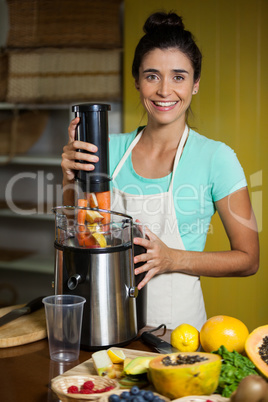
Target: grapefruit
x=223, y=330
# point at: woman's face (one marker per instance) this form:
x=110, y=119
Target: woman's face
x=166, y=85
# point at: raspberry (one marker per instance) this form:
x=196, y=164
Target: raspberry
x=86, y=391
x=73, y=390
x=109, y=388
x=88, y=385
x=105, y=389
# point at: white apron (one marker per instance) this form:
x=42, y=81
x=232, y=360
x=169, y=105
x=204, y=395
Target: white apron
x=173, y=298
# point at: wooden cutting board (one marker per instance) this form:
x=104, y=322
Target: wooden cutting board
x=26, y=329
x=87, y=368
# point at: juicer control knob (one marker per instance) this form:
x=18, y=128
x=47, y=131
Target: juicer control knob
x=74, y=281
x=133, y=291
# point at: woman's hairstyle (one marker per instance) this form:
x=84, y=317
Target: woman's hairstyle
x=163, y=31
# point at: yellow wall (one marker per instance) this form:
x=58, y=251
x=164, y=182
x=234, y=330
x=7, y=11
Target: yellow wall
x=231, y=106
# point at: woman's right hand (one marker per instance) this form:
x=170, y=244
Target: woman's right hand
x=70, y=155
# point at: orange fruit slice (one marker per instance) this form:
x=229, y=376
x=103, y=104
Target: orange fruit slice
x=100, y=239
x=93, y=216
x=92, y=200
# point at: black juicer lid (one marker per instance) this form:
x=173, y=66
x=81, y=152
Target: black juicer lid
x=91, y=107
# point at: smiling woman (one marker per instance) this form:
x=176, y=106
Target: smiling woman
x=166, y=85
x=173, y=179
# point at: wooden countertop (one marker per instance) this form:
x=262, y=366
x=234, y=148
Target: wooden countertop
x=26, y=371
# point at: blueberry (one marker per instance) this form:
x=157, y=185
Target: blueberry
x=148, y=396
x=137, y=398
x=114, y=398
x=142, y=392
x=135, y=390
x=125, y=395
x=157, y=399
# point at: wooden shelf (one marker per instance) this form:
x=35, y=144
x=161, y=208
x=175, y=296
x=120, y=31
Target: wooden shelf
x=6, y=212
x=29, y=262
x=34, y=160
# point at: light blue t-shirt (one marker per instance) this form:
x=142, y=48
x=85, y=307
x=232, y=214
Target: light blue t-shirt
x=207, y=171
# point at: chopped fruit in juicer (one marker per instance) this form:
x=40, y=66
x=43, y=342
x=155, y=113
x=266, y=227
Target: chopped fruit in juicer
x=100, y=239
x=92, y=200
x=104, y=202
x=93, y=216
x=88, y=230
x=81, y=215
x=84, y=237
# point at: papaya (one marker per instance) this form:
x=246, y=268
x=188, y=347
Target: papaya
x=256, y=347
x=187, y=373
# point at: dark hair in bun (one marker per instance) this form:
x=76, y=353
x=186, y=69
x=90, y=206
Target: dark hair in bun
x=163, y=31
x=162, y=20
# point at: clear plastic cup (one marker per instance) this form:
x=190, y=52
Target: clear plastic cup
x=64, y=322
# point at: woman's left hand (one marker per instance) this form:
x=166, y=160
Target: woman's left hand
x=157, y=260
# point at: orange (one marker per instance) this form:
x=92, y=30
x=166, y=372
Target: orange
x=223, y=330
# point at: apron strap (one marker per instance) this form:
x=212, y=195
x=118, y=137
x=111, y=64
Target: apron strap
x=178, y=156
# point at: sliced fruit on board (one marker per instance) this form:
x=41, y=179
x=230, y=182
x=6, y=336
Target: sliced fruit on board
x=116, y=355
x=129, y=381
x=138, y=366
x=103, y=364
x=257, y=348
x=187, y=373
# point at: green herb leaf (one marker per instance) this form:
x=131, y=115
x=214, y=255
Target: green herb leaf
x=234, y=368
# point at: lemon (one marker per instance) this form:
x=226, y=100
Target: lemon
x=100, y=239
x=116, y=355
x=185, y=338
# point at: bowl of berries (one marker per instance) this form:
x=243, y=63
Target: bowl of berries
x=135, y=394
x=83, y=388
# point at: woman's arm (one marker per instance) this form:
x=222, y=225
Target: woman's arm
x=240, y=225
x=69, y=161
